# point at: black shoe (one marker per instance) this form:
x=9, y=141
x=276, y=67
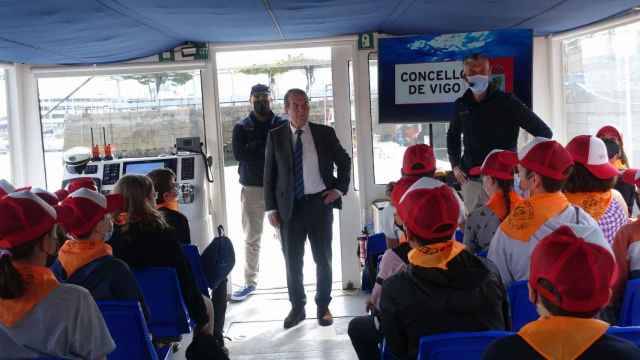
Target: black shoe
x=296, y=315
x=324, y=316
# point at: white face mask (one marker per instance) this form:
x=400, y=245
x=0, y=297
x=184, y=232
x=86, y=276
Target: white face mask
x=478, y=83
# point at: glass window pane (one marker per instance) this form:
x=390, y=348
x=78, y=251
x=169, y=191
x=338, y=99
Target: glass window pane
x=5, y=155
x=600, y=84
x=354, y=133
x=141, y=114
x=391, y=140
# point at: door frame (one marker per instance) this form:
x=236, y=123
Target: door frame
x=342, y=50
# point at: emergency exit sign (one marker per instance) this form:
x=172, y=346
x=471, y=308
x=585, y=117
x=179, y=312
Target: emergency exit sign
x=365, y=41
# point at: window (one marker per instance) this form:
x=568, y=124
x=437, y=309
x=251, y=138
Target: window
x=600, y=81
x=139, y=114
x=5, y=155
x=391, y=140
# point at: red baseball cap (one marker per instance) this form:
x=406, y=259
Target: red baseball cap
x=24, y=217
x=418, y=160
x=6, y=188
x=499, y=163
x=591, y=152
x=79, y=183
x=580, y=270
x=401, y=187
x=49, y=198
x=429, y=209
x=631, y=176
x=609, y=131
x=84, y=208
x=546, y=157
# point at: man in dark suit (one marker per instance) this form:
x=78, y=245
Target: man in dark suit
x=301, y=192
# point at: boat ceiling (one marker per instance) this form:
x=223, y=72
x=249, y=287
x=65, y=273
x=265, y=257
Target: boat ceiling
x=104, y=31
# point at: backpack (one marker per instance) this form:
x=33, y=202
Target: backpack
x=218, y=259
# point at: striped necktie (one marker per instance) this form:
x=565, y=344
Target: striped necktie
x=297, y=166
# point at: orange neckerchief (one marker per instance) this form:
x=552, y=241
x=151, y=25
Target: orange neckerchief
x=435, y=255
x=529, y=215
x=496, y=203
x=561, y=337
x=39, y=282
x=171, y=205
x=594, y=203
x=75, y=254
x=618, y=164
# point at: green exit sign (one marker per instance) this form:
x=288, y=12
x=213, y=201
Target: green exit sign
x=365, y=41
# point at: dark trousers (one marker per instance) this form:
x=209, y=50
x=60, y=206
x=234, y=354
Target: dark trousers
x=365, y=337
x=219, y=300
x=312, y=218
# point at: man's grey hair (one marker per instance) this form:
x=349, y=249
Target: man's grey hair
x=295, y=91
x=475, y=57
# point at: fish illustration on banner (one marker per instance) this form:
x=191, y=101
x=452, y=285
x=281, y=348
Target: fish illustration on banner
x=420, y=77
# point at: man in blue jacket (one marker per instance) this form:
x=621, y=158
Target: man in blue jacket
x=249, y=141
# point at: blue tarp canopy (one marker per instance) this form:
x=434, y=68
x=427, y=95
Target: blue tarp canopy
x=100, y=31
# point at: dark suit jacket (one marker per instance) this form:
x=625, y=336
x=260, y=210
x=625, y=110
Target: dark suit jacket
x=278, y=167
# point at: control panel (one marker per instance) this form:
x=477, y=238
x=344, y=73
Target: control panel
x=190, y=178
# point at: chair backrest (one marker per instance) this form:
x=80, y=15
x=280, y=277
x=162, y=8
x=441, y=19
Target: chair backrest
x=631, y=333
x=458, y=346
x=630, y=310
x=376, y=244
x=128, y=330
x=168, y=313
x=522, y=310
x=193, y=256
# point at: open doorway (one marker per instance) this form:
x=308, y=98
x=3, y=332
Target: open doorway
x=280, y=69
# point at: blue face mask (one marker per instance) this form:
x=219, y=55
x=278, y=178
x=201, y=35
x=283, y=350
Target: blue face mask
x=478, y=83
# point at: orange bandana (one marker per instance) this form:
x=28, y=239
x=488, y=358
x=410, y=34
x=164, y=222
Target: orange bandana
x=562, y=338
x=435, y=255
x=75, y=254
x=171, y=205
x=594, y=203
x=496, y=203
x=530, y=214
x=39, y=282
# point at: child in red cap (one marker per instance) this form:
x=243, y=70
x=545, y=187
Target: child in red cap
x=445, y=288
x=626, y=248
x=590, y=185
x=85, y=259
x=38, y=315
x=364, y=331
x=544, y=166
x=418, y=161
x=570, y=283
x=497, y=181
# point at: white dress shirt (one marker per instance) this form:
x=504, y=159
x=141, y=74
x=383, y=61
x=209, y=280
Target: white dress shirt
x=313, y=182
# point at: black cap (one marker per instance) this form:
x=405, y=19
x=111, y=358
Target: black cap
x=260, y=89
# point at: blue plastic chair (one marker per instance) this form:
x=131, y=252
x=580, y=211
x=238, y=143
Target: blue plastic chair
x=458, y=345
x=168, y=313
x=631, y=333
x=630, y=310
x=128, y=330
x=376, y=244
x=522, y=310
x=193, y=256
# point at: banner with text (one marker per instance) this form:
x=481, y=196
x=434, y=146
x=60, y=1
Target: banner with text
x=420, y=77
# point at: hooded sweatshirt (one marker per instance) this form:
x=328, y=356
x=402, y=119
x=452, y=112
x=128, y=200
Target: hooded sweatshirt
x=467, y=296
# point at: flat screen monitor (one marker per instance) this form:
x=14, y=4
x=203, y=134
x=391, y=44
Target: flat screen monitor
x=142, y=168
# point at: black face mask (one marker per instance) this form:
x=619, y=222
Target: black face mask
x=261, y=107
